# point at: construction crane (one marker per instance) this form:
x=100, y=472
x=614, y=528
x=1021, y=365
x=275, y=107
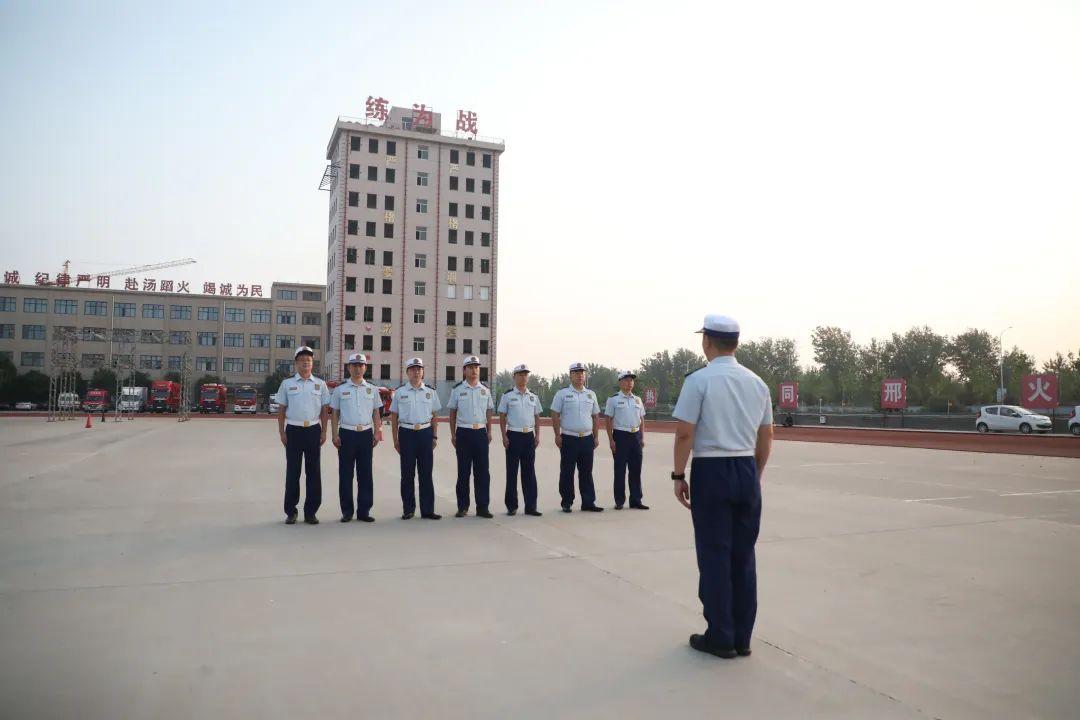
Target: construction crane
x=129, y=270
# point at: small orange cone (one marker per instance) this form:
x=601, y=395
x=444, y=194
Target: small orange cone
x=88, y=423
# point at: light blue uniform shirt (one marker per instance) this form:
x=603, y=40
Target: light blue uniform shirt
x=576, y=409
x=414, y=406
x=356, y=402
x=727, y=404
x=625, y=411
x=520, y=408
x=303, y=399
x=472, y=403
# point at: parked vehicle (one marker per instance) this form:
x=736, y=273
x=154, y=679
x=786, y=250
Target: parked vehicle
x=24, y=405
x=165, y=396
x=1011, y=418
x=68, y=401
x=272, y=407
x=245, y=400
x=212, y=398
x=133, y=398
x=97, y=400
x=1074, y=421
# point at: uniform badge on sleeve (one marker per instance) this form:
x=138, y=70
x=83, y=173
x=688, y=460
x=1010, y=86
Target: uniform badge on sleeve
x=427, y=395
x=483, y=392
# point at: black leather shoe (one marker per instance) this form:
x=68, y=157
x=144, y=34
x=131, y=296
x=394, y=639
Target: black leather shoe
x=291, y=519
x=486, y=514
x=346, y=518
x=568, y=510
x=365, y=518
x=534, y=513
x=431, y=516
x=461, y=513
x=639, y=506
x=743, y=652
x=618, y=507
x=512, y=513
x=592, y=508
x=699, y=643
x=407, y=516
x=311, y=520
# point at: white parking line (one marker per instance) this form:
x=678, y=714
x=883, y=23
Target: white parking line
x=841, y=464
x=958, y=497
x=1044, y=492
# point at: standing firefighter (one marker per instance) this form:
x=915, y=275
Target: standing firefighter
x=573, y=417
x=625, y=420
x=519, y=414
x=470, y=433
x=412, y=419
x=357, y=430
x=724, y=415
x=302, y=418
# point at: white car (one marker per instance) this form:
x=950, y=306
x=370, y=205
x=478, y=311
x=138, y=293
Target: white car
x=1074, y=421
x=1011, y=418
x=272, y=408
x=25, y=405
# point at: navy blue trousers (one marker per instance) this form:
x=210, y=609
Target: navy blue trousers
x=522, y=452
x=417, y=454
x=725, y=502
x=355, y=455
x=302, y=445
x=576, y=452
x=627, y=454
x=472, y=456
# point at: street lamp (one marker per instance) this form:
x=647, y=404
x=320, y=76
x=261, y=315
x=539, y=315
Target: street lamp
x=1001, y=365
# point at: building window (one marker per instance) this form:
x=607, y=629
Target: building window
x=470, y=185
x=372, y=173
x=206, y=364
x=355, y=142
x=388, y=286
x=93, y=334
x=32, y=359
x=484, y=318
x=350, y=284
x=386, y=315
x=453, y=209
x=369, y=256
x=369, y=285
x=384, y=372
x=470, y=237
x=483, y=374
x=388, y=202
x=234, y=314
x=420, y=288
x=485, y=239
x=451, y=291
x=260, y=340
x=286, y=317
x=420, y=261
x=470, y=210
x=285, y=342
x=354, y=199
x=207, y=339
x=468, y=264
x=354, y=171
x=450, y=373
x=260, y=316
x=384, y=343
x=485, y=265
x=312, y=295
x=350, y=255
x=451, y=345
x=284, y=366
x=33, y=332
x=485, y=187
x=7, y=331
x=391, y=147
x=286, y=294
x=466, y=319
x=350, y=342
x=372, y=201
x=350, y=312
x=372, y=145
x=68, y=307
x=179, y=337
x=485, y=212
x=421, y=152
x=470, y=158
x=391, y=176
x=369, y=313
x=484, y=291
x=367, y=342
x=422, y=179
x=311, y=318
x=96, y=360
x=421, y=233
x=466, y=346
x=487, y=160
x=353, y=227
x=419, y=316
x=388, y=231
x=369, y=228
x=259, y=366
x=451, y=263
x=208, y=313
x=233, y=340
x=388, y=258
x=451, y=317
x=153, y=311
x=123, y=309
x=466, y=292
x=100, y=307
x=7, y=304
x=421, y=205
x=150, y=362
x=453, y=182
x=453, y=236
x=418, y=344
x=454, y=157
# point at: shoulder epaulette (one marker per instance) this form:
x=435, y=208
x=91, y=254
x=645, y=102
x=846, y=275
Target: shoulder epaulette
x=400, y=386
x=695, y=370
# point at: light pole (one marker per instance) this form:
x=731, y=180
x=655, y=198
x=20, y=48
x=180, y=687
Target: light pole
x=1001, y=366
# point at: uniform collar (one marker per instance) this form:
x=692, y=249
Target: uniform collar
x=521, y=392
x=478, y=384
x=298, y=377
x=724, y=360
x=362, y=382
x=584, y=388
x=410, y=386
x=626, y=394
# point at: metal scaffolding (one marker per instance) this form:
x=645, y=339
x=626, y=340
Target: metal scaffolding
x=124, y=339
x=63, y=377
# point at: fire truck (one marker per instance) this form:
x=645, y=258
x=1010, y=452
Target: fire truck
x=245, y=400
x=165, y=396
x=97, y=400
x=212, y=398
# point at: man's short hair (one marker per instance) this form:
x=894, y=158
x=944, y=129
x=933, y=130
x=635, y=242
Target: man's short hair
x=725, y=344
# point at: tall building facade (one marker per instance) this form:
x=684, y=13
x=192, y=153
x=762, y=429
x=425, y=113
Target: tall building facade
x=239, y=339
x=412, y=261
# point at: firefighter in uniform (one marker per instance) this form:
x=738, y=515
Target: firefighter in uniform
x=574, y=413
x=519, y=412
x=357, y=429
x=625, y=421
x=724, y=415
x=302, y=419
x=470, y=407
x=412, y=420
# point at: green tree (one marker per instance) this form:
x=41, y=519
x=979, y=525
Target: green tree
x=974, y=355
x=919, y=355
x=774, y=361
x=272, y=382
x=1015, y=365
x=172, y=375
x=838, y=357
x=104, y=379
x=1067, y=369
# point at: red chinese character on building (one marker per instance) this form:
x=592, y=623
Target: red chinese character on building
x=241, y=290
x=256, y=291
x=422, y=117
x=377, y=108
x=183, y=287
x=225, y=289
x=104, y=281
x=209, y=288
x=63, y=280
x=166, y=286
x=149, y=285
x=131, y=284
x=41, y=278
x=466, y=121
x=79, y=279
x=11, y=277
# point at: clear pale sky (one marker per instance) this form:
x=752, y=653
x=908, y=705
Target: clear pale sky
x=862, y=164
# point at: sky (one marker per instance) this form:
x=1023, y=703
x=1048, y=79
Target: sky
x=871, y=165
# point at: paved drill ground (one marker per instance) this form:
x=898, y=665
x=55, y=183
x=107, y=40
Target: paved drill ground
x=145, y=572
